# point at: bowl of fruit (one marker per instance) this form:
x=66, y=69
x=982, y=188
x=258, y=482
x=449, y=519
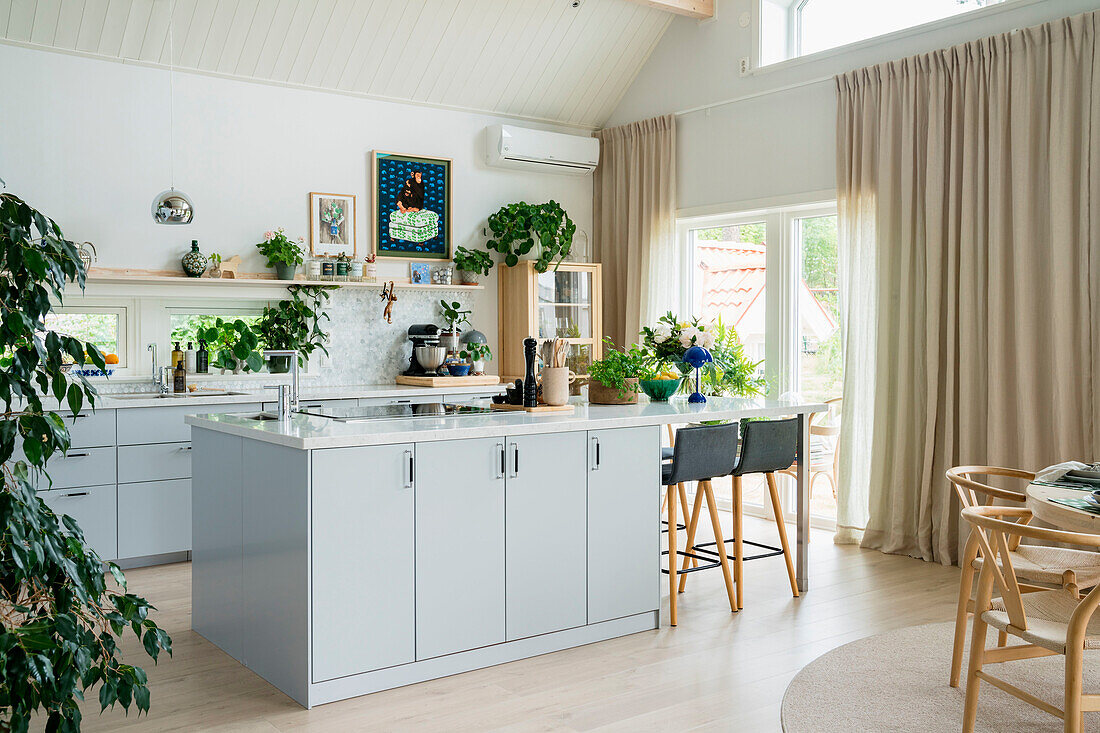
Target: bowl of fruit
x=661, y=385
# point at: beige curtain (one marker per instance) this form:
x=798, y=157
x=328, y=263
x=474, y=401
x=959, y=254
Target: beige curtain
x=968, y=228
x=634, y=217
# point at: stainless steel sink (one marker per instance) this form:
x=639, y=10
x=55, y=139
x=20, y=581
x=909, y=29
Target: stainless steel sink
x=262, y=416
x=170, y=395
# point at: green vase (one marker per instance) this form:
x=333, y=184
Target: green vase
x=194, y=262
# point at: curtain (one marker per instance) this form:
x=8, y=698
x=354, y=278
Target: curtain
x=634, y=217
x=968, y=224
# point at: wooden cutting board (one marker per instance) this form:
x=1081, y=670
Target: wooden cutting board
x=540, y=408
x=487, y=380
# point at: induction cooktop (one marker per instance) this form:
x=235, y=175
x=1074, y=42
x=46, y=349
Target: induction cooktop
x=396, y=412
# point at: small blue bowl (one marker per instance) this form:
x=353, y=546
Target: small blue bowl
x=458, y=370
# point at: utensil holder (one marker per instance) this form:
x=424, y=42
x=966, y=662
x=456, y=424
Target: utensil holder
x=555, y=384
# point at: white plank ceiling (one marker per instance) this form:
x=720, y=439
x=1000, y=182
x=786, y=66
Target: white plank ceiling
x=538, y=59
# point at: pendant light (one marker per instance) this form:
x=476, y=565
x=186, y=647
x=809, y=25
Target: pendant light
x=172, y=206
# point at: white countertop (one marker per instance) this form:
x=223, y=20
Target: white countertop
x=353, y=391
x=308, y=432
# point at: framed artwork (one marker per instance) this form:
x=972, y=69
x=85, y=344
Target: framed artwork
x=332, y=224
x=412, y=206
x=418, y=273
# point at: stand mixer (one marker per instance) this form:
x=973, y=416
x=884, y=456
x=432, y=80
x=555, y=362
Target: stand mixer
x=425, y=347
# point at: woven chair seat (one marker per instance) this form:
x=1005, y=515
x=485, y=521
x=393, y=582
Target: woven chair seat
x=1043, y=564
x=1048, y=613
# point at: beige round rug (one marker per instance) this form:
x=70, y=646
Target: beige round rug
x=897, y=681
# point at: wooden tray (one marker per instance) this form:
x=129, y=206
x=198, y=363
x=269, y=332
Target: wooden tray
x=487, y=380
x=540, y=408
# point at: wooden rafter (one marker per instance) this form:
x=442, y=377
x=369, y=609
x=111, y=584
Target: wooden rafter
x=701, y=9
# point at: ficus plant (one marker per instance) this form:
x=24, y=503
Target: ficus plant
x=518, y=228
x=60, y=618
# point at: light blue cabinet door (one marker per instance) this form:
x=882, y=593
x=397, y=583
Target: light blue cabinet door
x=93, y=508
x=363, y=553
x=545, y=533
x=459, y=545
x=624, y=522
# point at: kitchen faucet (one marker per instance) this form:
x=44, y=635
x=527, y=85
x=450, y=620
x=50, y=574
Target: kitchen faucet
x=293, y=377
x=160, y=376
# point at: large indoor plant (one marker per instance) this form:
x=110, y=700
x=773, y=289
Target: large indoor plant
x=613, y=380
x=521, y=227
x=295, y=324
x=60, y=620
x=282, y=253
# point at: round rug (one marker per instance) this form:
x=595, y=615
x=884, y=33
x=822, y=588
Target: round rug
x=897, y=681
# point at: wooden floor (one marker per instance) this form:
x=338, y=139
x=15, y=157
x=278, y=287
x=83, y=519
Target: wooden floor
x=716, y=671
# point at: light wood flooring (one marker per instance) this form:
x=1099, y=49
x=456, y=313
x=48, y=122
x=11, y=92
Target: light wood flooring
x=716, y=671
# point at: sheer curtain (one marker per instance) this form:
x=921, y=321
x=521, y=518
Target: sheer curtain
x=968, y=226
x=634, y=215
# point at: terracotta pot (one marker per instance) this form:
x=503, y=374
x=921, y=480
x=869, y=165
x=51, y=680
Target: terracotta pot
x=599, y=394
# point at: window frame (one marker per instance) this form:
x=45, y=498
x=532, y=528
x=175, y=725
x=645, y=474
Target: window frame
x=794, y=33
x=126, y=332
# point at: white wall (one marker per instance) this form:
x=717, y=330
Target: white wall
x=776, y=142
x=86, y=142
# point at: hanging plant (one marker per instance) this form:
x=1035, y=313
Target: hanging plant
x=519, y=228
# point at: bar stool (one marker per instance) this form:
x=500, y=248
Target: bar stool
x=700, y=454
x=766, y=447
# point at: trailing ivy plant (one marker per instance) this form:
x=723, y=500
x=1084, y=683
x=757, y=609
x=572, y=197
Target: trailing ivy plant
x=296, y=323
x=60, y=620
x=518, y=228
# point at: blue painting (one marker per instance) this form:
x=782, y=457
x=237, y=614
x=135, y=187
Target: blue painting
x=412, y=206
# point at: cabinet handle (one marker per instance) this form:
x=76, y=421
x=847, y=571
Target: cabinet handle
x=75, y=493
x=500, y=460
x=595, y=454
x=185, y=447
x=515, y=460
x=410, y=477
x=401, y=402
x=77, y=455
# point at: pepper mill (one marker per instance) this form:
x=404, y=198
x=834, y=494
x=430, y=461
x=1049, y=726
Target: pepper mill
x=530, y=386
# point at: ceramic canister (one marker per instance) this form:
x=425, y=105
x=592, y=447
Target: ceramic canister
x=555, y=384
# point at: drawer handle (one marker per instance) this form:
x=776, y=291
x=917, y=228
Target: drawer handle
x=75, y=493
x=77, y=455
x=185, y=447
x=401, y=402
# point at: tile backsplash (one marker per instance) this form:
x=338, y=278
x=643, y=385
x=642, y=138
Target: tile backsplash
x=364, y=349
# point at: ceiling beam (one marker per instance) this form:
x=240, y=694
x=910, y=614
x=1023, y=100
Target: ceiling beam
x=701, y=9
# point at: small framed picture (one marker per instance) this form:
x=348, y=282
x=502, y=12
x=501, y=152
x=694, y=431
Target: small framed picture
x=332, y=224
x=412, y=206
x=419, y=273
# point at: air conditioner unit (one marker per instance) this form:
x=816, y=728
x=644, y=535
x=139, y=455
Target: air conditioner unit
x=507, y=146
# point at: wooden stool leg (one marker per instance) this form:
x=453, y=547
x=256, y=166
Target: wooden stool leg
x=693, y=523
x=738, y=545
x=716, y=525
x=672, y=555
x=777, y=509
x=684, y=510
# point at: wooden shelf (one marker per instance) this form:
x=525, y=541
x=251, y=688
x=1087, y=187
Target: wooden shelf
x=122, y=277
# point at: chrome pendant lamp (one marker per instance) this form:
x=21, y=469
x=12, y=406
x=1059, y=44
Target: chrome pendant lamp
x=172, y=206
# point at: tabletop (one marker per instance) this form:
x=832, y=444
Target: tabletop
x=1060, y=515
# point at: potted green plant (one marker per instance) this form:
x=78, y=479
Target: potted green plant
x=522, y=227
x=281, y=253
x=477, y=354
x=454, y=315
x=60, y=623
x=295, y=324
x=472, y=264
x=613, y=380
x=234, y=345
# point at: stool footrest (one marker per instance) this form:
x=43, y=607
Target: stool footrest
x=772, y=551
x=664, y=525
x=709, y=562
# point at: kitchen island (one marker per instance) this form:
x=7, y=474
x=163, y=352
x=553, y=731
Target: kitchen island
x=339, y=558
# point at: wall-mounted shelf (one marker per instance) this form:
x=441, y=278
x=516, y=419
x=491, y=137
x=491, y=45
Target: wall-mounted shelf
x=122, y=277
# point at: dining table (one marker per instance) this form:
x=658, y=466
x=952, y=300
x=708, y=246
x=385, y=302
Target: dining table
x=1063, y=516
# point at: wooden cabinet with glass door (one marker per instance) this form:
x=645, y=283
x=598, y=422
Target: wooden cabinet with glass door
x=566, y=303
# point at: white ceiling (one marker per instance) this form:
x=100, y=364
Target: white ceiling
x=539, y=59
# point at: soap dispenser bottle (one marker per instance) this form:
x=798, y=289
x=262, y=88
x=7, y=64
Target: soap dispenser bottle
x=202, y=359
x=179, y=378
x=190, y=360
x=177, y=353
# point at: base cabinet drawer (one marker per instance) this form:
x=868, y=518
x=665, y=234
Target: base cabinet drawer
x=80, y=467
x=154, y=517
x=154, y=462
x=90, y=429
x=93, y=508
x=142, y=425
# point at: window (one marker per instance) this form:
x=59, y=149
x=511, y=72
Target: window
x=105, y=327
x=773, y=276
x=185, y=326
x=792, y=28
